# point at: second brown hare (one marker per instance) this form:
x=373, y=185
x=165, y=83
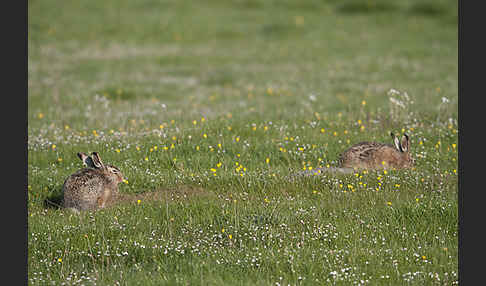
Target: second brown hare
x=373, y=155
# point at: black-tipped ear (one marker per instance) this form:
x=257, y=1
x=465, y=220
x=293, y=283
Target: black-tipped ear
x=97, y=160
x=87, y=160
x=396, y=142
x=82, y=156
x=405, y=142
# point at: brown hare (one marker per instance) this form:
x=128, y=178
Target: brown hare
x=92, y=187
x=372, y=156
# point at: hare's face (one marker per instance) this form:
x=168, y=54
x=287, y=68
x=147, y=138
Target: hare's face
x=114, y=173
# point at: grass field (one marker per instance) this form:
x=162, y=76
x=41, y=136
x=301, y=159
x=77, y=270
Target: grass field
x=210, y=108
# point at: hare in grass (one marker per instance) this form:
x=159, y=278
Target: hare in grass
x=92, y=187
x=373, y=155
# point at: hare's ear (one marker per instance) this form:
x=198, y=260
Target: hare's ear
x=405, y=142
x=97, y=160
x=87, y=160
x=396, y=141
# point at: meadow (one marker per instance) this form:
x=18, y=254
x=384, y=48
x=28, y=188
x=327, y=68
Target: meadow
x=211, y=108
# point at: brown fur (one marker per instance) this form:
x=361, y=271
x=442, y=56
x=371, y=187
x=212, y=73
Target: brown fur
x=373, y=155
x=93, y=187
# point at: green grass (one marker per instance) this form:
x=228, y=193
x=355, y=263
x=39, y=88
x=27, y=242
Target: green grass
x=209, y=109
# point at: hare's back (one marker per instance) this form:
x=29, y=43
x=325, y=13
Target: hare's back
x=364, y=154
x=86, y=180
x=367, y=148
